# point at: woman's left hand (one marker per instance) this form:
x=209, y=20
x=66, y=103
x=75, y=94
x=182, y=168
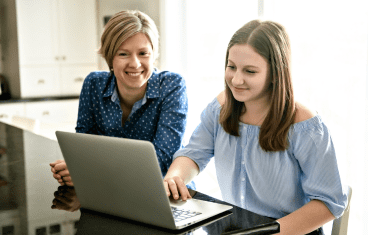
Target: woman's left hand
x=66, y=199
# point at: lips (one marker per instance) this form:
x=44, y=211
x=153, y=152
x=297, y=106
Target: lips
x=134, y=74
x=240, y=89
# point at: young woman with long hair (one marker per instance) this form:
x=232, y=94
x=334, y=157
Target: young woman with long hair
x=273, y=156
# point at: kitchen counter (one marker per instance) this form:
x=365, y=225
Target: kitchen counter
x=9, y=101
x=27, y=186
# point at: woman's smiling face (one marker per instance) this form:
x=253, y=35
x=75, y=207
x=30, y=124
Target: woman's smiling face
x=247, y=74
x=133, y=63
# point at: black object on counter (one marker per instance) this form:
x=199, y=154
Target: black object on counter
x=4, y=89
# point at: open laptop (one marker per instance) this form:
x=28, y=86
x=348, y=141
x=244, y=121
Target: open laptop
x=122, y=177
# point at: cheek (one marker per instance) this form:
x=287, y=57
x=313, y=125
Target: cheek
x=266, y=84
x=228, y=76
x=116, y=63
x=149, y=64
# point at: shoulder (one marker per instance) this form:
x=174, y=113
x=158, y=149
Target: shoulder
x=221, y=98
x=96, y=81
x=164, y=76
x=166, y=82
x=214, y=107
x=308, y=127
x=303, y=113
x=97, y=77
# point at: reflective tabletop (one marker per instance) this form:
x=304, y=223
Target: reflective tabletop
x=32, y=202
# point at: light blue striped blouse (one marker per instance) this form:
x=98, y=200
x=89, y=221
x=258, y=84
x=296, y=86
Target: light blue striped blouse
x=272, y=184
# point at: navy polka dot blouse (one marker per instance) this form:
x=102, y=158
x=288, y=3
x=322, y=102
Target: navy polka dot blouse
x=159, y=117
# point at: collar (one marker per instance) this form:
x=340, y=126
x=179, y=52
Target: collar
x=152, y=91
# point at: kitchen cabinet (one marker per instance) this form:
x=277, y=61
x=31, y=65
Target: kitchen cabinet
x=50, y=46
x=64, y=31
x=42, y=117
x=11, y=109
x=57, y=111
x=52, y=111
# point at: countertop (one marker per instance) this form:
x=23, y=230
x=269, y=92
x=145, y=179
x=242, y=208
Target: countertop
x=15, y=100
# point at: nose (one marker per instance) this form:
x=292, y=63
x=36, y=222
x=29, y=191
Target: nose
x=134, y=62
x=237, y=79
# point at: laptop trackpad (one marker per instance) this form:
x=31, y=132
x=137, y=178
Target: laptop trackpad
x=177, y=203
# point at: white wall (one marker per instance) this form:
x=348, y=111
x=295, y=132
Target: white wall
x=329, y=41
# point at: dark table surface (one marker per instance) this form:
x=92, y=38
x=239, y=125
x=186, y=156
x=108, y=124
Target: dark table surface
x=32, y=202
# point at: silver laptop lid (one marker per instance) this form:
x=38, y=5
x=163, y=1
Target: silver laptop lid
x=127, y=183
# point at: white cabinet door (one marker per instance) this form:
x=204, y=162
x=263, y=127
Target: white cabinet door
x=58, y=111
x=39, y=81
x=73, y=77
x=78, y=31
x=10, y=109
x=57, y=46
x=62, y=31
x=37, y=32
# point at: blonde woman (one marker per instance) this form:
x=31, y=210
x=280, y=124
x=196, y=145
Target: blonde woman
x=273, y=156
x=134, y=100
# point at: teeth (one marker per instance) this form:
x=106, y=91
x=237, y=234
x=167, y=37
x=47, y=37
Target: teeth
x=134, y=74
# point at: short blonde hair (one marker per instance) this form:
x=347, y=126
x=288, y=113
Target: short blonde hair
x=122, y=26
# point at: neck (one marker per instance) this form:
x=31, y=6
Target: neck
x=257, y=107
x=256, y=112
x=128, y=97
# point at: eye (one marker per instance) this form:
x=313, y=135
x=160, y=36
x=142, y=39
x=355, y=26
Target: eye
x=231, y=67
x=143, y=53
x=122, y=54
x=250, y=71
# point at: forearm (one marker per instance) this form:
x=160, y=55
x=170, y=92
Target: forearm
x=183, y=167
x=306, y=219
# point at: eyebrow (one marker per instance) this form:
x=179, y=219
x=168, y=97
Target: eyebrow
x=246, y=66
x=140, y=49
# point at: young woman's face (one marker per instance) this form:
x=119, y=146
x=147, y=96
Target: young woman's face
x=247, y=74
x=133, y=62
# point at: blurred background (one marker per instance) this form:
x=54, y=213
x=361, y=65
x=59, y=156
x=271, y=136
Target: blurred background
x=329, y=42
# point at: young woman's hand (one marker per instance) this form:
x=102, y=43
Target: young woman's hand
x=61, y=173
x=176, y=187
x=181, y=171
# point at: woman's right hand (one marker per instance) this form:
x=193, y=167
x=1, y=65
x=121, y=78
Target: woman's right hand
x=175, y=186
x=182, y=169
x=61, y=173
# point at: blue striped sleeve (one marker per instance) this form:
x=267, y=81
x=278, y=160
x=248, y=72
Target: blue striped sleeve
x=320, y=178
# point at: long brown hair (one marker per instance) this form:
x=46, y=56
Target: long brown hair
x=271, y=41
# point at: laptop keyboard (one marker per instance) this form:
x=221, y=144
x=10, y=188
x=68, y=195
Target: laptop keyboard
x=182, y=214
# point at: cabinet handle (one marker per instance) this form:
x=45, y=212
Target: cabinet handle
x=41, y=81
x=3, y=116
x=45, y=113
x=79, y=79
x=56, y=57
x=64, y=57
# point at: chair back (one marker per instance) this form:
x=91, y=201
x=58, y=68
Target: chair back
x=340, y=225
